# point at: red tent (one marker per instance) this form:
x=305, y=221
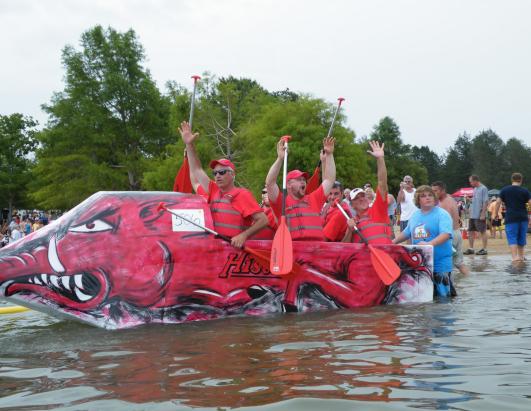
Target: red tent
x=464, y=192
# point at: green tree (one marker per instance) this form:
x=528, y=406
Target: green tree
x=17, y=139
x=307, y=120
x=106, y=124
x=486, y=153
x=458, y=164
x=398, y=157
x=518, y=157
x=430, y=160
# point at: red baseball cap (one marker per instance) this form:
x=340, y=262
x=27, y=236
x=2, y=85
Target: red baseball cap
x=293, y=174
x=223, y=162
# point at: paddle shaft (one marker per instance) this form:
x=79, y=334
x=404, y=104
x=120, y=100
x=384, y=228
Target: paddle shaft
x=284, y=174
x=334, y=118
x=208, y=230
x=256, y=253
x=192, y=105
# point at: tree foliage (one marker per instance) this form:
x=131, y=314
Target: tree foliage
x=105, y=125
x=398, y=156
x=111, y=128
x=17, y=139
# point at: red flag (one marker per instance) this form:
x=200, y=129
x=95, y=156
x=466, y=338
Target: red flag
x=182, y=182
x=314, y=181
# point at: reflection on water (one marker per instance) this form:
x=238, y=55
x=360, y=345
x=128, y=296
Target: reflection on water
x=469, y=353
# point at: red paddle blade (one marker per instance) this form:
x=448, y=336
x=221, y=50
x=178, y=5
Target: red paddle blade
x=282, y=250
x=386, y=268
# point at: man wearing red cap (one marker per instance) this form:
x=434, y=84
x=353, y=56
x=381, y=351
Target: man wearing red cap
x=371, y=221
x=235, y=212
x=302, y=210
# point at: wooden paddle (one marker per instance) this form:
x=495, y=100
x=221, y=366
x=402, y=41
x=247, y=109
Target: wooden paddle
x=386, y=268
x=263, y=256
x=282, y=246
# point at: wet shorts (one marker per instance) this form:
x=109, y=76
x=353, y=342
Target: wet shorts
x=516, y=233
x=475, y=224
x=443, y=285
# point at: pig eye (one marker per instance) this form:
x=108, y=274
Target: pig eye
x=95, y=226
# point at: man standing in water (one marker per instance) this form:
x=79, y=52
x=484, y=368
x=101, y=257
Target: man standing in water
x=515, y=198
x=371, y=221
x=235, y=212
x=478, y=215
x=447, y=203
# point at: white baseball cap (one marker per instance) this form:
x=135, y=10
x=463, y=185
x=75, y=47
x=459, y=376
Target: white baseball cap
x=354, y=193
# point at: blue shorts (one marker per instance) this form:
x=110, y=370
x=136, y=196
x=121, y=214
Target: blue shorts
x=516, y=233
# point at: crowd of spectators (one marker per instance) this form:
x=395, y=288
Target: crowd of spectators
x=23, y=223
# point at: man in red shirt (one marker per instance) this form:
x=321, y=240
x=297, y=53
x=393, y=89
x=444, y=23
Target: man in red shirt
x=235, y=212
x=302, y=210
x=372, y=222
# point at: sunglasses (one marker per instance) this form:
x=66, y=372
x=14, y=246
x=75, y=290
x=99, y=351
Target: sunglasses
x=264, y=191
x=220, y=172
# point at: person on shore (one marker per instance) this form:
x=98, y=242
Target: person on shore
x=303, y=211
x=432, y=225
x=447, y=203
x=405, y=198
x=235, y=212
x=372, y=222
x=515, y=198
x=16, y=233
x=478, y=216
x=371, y=195
x=495, y=219
x=391, y=211
x=346, y=195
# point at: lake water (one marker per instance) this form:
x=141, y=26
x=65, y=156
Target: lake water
x=470, y=353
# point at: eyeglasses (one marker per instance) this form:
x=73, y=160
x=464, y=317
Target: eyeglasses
x=220, y=172
x=264, y=191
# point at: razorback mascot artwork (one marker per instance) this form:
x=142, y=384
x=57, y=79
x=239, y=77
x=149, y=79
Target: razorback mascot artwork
x=117, y=261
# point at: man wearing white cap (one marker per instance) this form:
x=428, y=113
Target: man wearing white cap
x=371, y=221
x=303, y=211
x=235, y=212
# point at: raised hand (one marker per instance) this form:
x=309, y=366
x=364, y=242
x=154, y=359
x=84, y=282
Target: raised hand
x=328, y=145
x=281, y=150
x=322, y=156
x=376, y=150
x=186, y=133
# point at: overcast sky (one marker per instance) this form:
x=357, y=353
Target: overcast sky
x=438, y=68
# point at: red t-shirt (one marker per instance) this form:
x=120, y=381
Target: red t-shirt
x=337, y=226
x=244, y=202
x=316, y=199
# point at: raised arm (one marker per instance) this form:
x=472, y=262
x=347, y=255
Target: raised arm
x=198, y=177
x=329, y=170
x=272, y=175
x=377, y=152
